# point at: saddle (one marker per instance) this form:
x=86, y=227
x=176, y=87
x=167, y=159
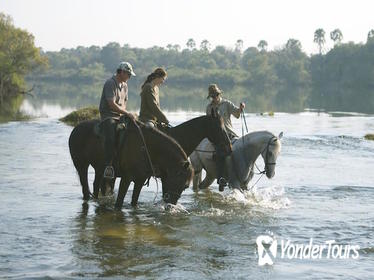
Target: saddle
x=122, y=125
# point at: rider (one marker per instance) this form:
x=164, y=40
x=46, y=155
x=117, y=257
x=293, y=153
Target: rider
x=150, y=111
x=225, y=109
x=112, y=106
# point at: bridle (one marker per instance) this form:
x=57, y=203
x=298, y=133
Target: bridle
x=167, y=195
x=270, y=142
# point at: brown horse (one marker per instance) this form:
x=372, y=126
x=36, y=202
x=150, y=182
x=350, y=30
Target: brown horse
x=86, y=147
x=144, y=150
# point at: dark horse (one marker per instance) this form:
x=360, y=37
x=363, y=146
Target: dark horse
x=145, y=149
x=86, y=147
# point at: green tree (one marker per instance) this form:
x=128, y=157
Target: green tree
x=370, y=36
x=191, y=44
x=110, y=55
x=337, y=36
x=18, y=57
x=239, y=45
x=293, y=44
x=205, y=46
x=262, y=45
x=319, y=39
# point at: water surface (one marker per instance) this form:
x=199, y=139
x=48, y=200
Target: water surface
x=323, y=189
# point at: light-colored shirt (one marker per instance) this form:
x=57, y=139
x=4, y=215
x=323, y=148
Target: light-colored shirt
x=112, y=90
x=225, y=109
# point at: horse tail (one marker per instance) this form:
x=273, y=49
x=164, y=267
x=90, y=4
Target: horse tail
x=76, y=148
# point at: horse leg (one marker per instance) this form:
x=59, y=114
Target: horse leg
x=83, y=178
x=196, y=180
x=208, y=180
x=123, y=187
x=135, y=195
x=197, y=166
x=97, y=181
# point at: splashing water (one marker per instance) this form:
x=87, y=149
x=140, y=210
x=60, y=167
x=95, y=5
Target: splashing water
x=272, y=197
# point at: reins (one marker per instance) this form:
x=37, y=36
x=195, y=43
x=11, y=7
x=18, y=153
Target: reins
x=243, y=120
x=149, y=159
x=266, y=162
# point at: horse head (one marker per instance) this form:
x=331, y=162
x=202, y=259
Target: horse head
x=175, y=180
x=270, y=153
x=217, y=132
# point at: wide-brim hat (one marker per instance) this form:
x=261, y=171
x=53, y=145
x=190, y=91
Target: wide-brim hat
x=214, y=90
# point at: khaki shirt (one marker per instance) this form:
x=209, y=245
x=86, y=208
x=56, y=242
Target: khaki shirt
x=225, y=109
x=150, y=105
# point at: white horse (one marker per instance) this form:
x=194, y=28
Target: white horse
x=239, y=165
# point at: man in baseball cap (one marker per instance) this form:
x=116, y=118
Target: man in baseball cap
x=113, y=104
x=126, y=67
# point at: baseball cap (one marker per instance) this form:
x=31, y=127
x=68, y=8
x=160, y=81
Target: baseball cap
x=126, y=66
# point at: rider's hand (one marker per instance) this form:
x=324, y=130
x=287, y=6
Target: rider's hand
x=242, y=106
x=131, y=116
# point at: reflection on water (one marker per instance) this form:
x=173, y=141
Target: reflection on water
x=174, y=98
x=323, y=189
x=44, y=109
x=109, y=242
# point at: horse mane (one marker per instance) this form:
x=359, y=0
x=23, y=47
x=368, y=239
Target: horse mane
x=188, y=122
x=161, y=135
x=248, y=138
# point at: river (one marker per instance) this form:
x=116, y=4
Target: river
x=323, y=190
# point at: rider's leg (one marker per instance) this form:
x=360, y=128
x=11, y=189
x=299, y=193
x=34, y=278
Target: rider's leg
x=220, y=166
x=109, y=129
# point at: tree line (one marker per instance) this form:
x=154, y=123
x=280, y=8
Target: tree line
x=283, y=79
x=18, y=57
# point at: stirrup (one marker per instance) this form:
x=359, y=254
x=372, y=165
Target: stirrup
x=109, y=172
x=222, y=183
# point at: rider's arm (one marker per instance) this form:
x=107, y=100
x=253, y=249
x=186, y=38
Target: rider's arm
x=153, y=106
x=233, y=109
x=121, y=109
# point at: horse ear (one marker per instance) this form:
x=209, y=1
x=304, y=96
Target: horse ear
x=280, y=135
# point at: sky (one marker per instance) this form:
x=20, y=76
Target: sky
x=146, y=23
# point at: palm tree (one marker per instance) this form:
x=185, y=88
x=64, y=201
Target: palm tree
x=337, y=36
x=191, y=44
x=370, y=36
x=205, y=45
x=239, y=45
x=262, y=45
x=319, y=38
x=293, y=44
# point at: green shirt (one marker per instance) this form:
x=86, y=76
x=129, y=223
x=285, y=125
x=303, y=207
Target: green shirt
x=150, y=105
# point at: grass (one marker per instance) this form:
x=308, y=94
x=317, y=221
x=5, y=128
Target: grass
x=369, y=136
x=87, y=113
